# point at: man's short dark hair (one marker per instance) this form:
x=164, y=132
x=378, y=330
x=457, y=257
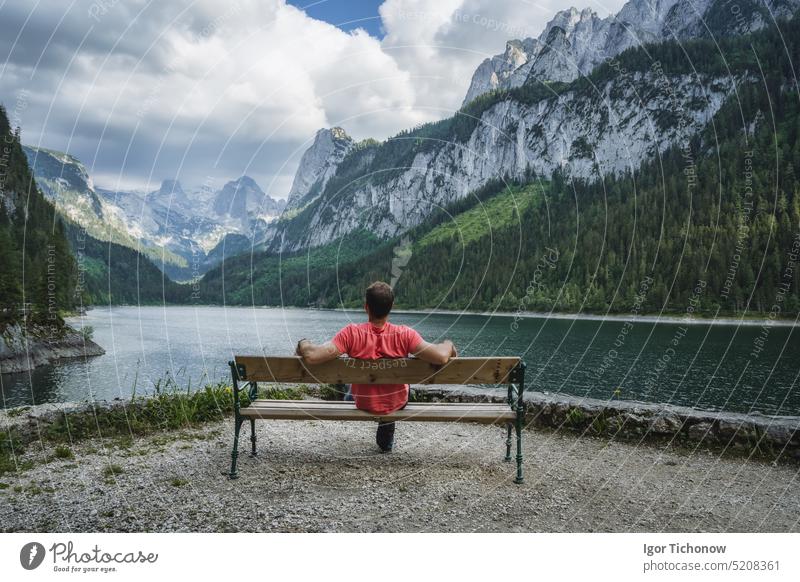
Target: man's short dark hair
x=380, y=299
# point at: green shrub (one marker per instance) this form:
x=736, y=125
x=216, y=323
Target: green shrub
x=144, y=415
x=10, y=449
x=87, y=331
x=332, y=391
x=600, y=423
x=575, y=417
x=63, y=452
x=286, y=392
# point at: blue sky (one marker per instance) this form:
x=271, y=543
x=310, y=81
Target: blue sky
x=345, y=14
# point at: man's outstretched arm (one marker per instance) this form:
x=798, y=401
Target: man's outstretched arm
x=317, y=354
x=438, y=354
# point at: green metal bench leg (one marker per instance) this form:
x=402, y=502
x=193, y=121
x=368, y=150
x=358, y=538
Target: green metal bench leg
x=253, y=436
x=519, y=478
x=235, y=453
x=510, y=427
x=520, y=410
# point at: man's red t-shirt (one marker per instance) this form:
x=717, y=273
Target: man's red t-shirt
x=367, y=342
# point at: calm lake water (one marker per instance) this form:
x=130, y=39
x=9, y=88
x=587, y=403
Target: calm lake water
x=702, y=366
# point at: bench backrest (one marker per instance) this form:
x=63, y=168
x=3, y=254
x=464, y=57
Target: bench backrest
x=385, y=371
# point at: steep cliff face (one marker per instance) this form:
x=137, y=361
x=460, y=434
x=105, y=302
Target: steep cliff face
x=575, y=42
x=244, y=200
x=585, y=132
x=496, y=72
x=318, y=164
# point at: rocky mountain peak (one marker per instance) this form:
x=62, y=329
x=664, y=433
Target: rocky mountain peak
x=246, y=182
x=337, y=133
x=170, y=187
x=574, y=42
x=515, y=53
x=170, y=194
x=238, y=198
x=318, y=164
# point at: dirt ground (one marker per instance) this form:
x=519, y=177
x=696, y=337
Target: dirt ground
x=329, y=476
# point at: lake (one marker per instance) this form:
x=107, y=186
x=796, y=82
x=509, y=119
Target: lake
x=713, y=367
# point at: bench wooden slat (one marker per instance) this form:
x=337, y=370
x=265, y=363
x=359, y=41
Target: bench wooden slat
x=422, y=412
x=333, y=403
x=398, y=371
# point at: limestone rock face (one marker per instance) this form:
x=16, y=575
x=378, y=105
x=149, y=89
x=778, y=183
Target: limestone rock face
x=243, y=199
x=496, y=72
x=610, y=130
x=318, y=164
x=574, y=42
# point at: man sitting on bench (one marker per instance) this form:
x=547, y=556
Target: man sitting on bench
x=374, y=339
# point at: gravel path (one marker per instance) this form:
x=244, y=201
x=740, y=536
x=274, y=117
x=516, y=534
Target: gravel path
x=328, y=476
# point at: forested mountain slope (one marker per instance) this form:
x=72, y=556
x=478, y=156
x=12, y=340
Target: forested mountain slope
x=113, y=274
x=36, y=266
x=712, y=223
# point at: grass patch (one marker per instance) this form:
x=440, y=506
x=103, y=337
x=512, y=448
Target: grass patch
x=64, y=452
x=285, y=392
x=600, y=424
x=332, y=391
x=124, y=442
x=33, y=489
x=4, y=485
x=15, y=412
x=178, y=482
x=168, y=415
x=10, y=450
x=576, y=418
x=166, y=410
x=112, y=470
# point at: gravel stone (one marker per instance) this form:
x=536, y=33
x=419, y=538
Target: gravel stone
x=329, y=476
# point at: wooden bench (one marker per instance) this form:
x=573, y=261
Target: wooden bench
x=251, y=370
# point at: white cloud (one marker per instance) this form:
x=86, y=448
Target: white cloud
x=142, y=90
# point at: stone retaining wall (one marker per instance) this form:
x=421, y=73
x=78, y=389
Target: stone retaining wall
x=776, y=437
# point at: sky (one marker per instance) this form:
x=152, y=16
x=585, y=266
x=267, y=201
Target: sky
x=206, y=91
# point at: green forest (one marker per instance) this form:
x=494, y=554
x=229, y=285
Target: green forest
x=37, y=270
x=110, y=273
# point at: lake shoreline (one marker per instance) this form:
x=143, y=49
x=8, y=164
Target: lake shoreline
x=616, y=317
x=757, y=320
